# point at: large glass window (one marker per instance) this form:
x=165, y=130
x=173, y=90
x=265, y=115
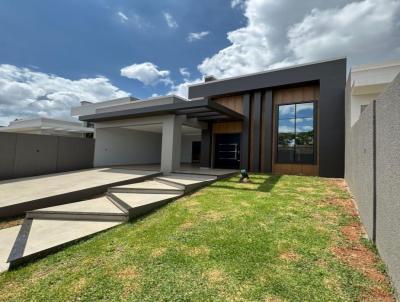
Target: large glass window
x=296, y=135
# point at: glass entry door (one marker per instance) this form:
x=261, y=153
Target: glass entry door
x=227, y=151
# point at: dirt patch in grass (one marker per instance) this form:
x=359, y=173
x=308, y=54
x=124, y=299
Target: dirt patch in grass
x=340, y=183
x=194, y=251
x=186, y=225
x=129, y=273
x=197, y=250
x=306, y=189
x=8, y=223
x=378, y=294
x=352, y=232
x=360, y=258
x=358, y=255
x=130, y=277
x=158, y=252
x=79, y=285
x=214, y=276
x=347, y=204
x=214, y=216
x=289, y=256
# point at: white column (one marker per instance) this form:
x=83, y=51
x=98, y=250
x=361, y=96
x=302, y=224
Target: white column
x=171, y=144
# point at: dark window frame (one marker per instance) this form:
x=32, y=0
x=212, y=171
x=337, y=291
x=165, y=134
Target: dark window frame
x=315, y=118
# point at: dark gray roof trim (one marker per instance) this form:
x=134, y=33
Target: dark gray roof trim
x=203, y=110
x=273, y=78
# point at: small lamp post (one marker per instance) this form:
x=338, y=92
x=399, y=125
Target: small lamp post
x=244, y=176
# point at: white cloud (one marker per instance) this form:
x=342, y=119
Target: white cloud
x=184, y=72
x=147, y=73
x=197, y=36
x=358, y=29
x=182, y=88
x=133, y=20
x=26, y=93
x=237, y=3
x=171, y=22
x=122, y=17
x=364, y=31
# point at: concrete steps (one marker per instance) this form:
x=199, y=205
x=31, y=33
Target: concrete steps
x=186, y=182
x=151, y=186
x=49, y=229
x=98, y=209
x=137, y=204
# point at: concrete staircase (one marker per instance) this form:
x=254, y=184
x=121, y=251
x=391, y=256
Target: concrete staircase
x=49, y=229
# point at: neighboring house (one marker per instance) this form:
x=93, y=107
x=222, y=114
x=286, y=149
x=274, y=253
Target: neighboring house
x=284, y=121
x=47, y=126
x=365, y=83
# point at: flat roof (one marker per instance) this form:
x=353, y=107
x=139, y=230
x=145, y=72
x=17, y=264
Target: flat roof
x=387, y=64
x=271, y=78
x=203, y=110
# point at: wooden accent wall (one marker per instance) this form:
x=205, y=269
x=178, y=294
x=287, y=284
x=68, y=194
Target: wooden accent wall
x=232, y=102
x=227, y=127
x=290, y=96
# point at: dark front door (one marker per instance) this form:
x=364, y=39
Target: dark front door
x=227, y=151
x=196, y=147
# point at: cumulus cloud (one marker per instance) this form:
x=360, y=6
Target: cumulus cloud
x=182, y=88
x=364, y=31
x=147, y=73
x=26, y=93
x=171, y=22
x=197, y=36
x=361, y=29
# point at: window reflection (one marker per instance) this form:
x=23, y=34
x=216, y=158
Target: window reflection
x=295, y=135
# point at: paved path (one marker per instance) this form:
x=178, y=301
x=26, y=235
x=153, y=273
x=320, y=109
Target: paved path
x=18, y=196
x=49, y=229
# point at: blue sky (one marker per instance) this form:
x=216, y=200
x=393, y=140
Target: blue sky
x=55, y=54
x=76, y=39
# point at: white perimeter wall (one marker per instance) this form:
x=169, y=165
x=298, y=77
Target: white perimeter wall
x=116, y=146
x=186, y=153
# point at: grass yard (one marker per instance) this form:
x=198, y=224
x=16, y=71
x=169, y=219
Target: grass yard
x=288, y=238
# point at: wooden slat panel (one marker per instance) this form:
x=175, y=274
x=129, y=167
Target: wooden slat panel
x=228, y=127
x=232, y=102
x=266, y=131
x=290, y=96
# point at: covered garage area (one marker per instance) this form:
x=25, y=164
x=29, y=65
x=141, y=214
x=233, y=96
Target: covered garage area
x=141, y=144
x=165, y=131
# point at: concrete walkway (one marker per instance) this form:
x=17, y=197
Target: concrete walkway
x=49, y=229
x=24, y=194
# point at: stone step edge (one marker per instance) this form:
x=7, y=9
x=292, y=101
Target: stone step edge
x=173, y=190
x=134, y=212
x=70, y=215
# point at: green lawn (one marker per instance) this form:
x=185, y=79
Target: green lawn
x=286, y=238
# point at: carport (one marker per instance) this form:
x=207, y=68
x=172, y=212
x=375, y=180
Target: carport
x=141, y=132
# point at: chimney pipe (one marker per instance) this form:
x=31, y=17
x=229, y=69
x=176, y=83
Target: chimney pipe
x=209, y=78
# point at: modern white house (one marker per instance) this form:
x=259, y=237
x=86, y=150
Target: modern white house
x=284, y=121
x=47, y=126
x=365, y=83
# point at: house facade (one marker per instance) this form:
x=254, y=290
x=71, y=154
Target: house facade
x=284, y=121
